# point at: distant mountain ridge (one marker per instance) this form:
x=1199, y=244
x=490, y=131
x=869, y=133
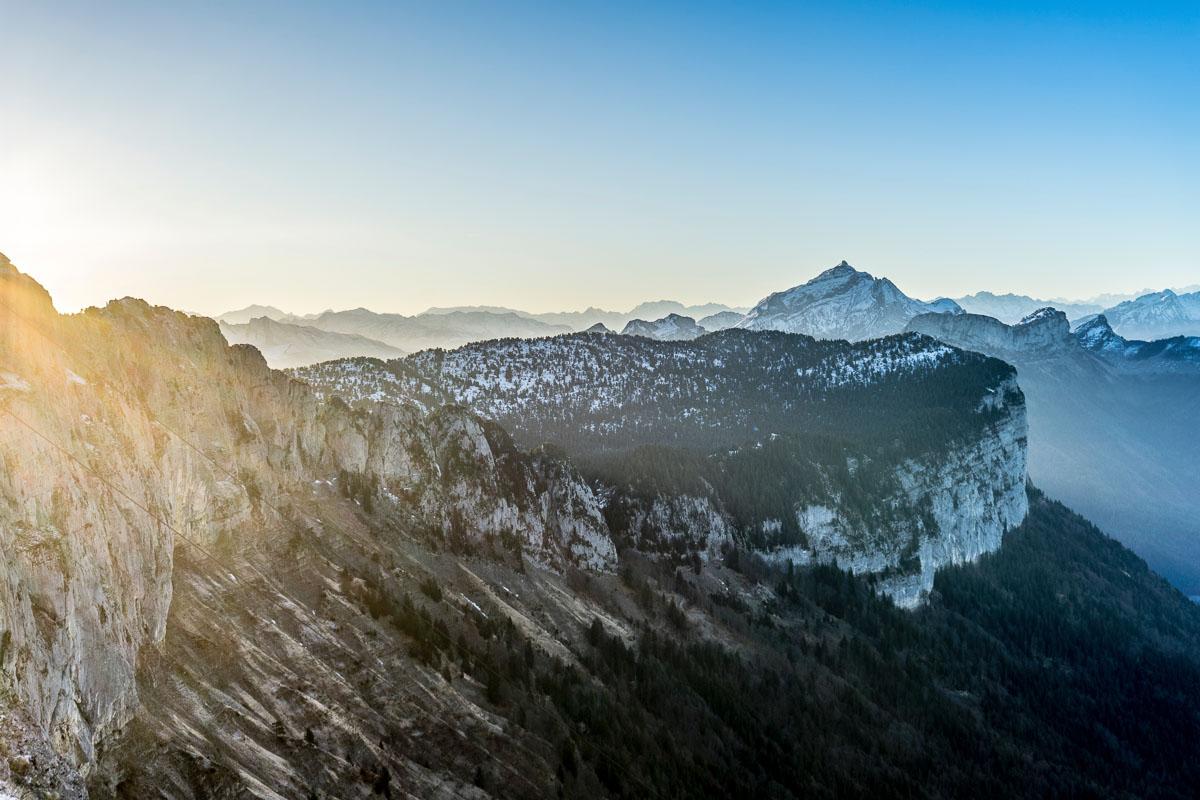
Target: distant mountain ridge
x=1157, y=315
x=243, y=315
x=721, y=320
x=1112, y=425
x=615, y=320
x=1011, y=308
x=285, y=345
x=1173, y=354
x=450, y=327
x=449, y=330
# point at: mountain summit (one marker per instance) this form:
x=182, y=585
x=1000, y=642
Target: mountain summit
x=671, y=328
x=841, y=303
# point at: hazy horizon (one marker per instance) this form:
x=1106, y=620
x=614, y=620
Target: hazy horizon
x=58, y=290
x=554, y=158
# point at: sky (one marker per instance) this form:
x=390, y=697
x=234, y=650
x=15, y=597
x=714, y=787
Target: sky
x=552, y=156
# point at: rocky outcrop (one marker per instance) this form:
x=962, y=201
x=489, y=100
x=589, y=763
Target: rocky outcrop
x=1044, y=332
x=943, y=510
x=1178, y=354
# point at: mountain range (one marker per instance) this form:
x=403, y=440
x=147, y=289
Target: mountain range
x=588, y=565
x=1112, y=373
x=581, y=320
x=1011, y=308
x=841, y=302
x=286, y=345
x=1112, y=425
x=1157, y=315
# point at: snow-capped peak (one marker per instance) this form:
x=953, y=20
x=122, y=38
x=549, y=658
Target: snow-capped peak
x=1095, y=332
x=1043, y=315
x=841, y=303
x=1157, y=315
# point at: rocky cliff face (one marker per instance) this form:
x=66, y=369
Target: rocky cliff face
x=946, y=510
x=96, y=489
x=1045, y=332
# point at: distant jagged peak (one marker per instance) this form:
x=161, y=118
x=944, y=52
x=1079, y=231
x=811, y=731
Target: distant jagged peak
x=946, y=305
x=1044, y=316
x=671, y=328
x=1097, y=334
x=269, y=322
x=843, y=268
x=841, y=303
x=986, y=295
x=599, y=327
x=840, y=274
x=1174, y=354
x=1157, y=315
x=1149, y=302
x=1093, y=326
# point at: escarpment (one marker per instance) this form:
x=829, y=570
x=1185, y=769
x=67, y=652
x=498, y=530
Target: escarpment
x=131, y=432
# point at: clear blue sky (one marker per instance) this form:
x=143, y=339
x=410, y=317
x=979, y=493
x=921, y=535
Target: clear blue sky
x=555, y=155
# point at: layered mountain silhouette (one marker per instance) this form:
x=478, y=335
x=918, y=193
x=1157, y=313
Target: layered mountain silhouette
x=1112, y=425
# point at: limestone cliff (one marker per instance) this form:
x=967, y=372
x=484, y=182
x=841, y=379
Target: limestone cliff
x=128, y=427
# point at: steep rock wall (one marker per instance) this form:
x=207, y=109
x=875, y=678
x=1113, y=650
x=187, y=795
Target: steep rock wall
x=91, y=471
